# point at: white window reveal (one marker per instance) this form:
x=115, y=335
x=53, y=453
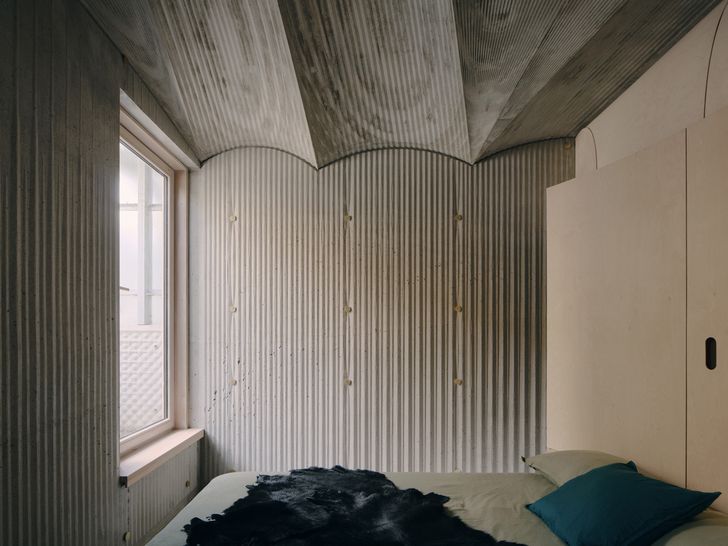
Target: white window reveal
x=152, y=316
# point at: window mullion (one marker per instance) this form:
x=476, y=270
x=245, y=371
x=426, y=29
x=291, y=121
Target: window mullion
x=144, y=234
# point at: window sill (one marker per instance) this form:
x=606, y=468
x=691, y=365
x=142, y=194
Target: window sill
x=141, y=462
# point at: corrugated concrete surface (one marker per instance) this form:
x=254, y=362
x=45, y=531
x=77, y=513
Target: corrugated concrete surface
x=59, y=366
x=156, y=498
x=384, y=312
x=323, y=79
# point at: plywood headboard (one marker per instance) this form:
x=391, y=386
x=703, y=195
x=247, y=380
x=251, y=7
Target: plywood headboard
x=636, y=276
x=616, y=253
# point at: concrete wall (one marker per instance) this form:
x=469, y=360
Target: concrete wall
x=351, y=316
x=59, y=367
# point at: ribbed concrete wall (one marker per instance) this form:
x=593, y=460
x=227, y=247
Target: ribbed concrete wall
x=377, y=74
x=59, y=95
x=384, y=312
x=156, y=498
x=59, y=366
x=323, y=79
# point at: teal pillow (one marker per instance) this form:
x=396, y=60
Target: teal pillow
x=615, y=505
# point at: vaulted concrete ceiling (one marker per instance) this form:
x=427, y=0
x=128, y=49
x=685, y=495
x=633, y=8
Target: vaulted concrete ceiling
x=323, y=79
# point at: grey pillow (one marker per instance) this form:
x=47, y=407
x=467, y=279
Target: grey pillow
x=561, y=466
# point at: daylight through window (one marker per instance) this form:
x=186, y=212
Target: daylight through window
x=144, y=378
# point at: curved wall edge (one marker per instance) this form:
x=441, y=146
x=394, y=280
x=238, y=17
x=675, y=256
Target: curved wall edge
x=569, y=141
x=586, y=156
x=716, y=87
x=669, y=97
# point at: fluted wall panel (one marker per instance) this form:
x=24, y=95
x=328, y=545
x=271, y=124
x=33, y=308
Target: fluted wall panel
x=157, y=497
x=59, y=420
x=323, y=79
x=377, y=74
x=384, y=312
x=222, y=69
x=620, y=51
x=59, y=365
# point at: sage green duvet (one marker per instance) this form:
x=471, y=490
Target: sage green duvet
x=494, y=503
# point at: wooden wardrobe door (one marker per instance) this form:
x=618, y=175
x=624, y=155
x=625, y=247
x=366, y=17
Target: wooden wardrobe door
x=616, y=310
x=707, y=311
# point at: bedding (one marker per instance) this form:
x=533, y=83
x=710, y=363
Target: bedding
x=561, y=466
x=614, y=505
x=331, y=507
x=495, y=503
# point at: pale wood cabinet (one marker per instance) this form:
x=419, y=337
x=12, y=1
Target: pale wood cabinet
x=637, y=256
x=616, y=310
x=707, y=305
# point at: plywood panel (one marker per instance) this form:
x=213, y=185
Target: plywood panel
x=707, y=439
x=673, y=94
x=716, y=87
x=586, y=152
x=616, y=311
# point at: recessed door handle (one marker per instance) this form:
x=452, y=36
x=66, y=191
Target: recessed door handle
x=710, y=353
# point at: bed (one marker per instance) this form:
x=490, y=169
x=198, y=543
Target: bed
x=494, y=503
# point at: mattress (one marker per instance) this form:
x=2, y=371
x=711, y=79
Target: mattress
x=494, y=503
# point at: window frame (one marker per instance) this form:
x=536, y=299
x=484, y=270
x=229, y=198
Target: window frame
x=136, y=138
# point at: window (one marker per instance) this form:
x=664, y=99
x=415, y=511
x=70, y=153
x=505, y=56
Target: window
x=149, y=369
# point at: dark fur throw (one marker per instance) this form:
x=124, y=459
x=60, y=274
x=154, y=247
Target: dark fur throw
x=337, y=507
